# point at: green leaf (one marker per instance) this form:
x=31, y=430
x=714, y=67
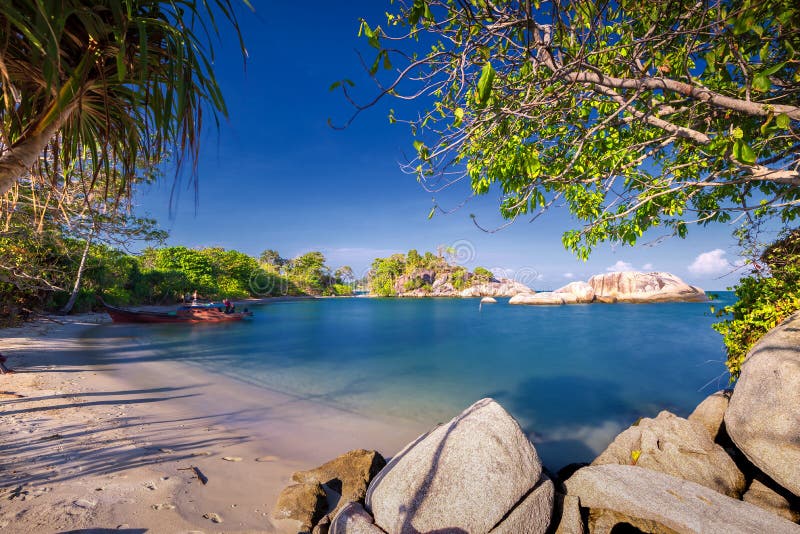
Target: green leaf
x=430, y=214
x=418, y=145
x=459, y=115
x=744, y=153
x=761, y=82
x=711, y=61
x=782, y=121
x=121, y=63
x=737, y=133
x=773, y=69
x=764, y=52
x=485, y=83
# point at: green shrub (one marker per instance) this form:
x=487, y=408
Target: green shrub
x=413, y=283
x=117, y=296
x=764, y=301
x=459, y=278
x=382, y=285
x=342, y=290
x=482, y=275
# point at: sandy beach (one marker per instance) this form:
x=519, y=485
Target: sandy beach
x=87, y=447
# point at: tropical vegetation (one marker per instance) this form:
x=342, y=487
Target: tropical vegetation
x=157, y=275
x=400, y=273
x=765, y=298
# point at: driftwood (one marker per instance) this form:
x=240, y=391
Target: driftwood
x=198, y=474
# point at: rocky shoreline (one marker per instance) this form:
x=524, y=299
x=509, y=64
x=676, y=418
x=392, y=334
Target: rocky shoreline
x=732, y=466
x=614, y=287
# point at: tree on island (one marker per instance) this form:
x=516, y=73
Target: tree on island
x=272, y=257
x=631, y=114
x=123, y=81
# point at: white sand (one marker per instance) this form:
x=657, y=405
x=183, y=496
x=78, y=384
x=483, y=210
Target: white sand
x=104, y=447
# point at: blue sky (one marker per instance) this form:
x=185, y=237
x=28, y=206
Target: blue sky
x=277, y=176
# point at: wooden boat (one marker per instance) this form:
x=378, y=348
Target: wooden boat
x=184, y=314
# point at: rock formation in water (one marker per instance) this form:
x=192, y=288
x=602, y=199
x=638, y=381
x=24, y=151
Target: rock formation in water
x=633, y=286
x=629, y=286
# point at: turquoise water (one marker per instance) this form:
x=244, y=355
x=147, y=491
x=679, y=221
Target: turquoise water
x=574, y=376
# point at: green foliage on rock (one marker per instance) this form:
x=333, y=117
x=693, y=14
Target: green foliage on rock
x=410, y=272
x=459, y=279
x=482, y=275
x=765, y=299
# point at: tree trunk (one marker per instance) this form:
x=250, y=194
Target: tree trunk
x=20, y=157
x=74, y=296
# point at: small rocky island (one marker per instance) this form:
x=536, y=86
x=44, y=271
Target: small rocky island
x=626, y=286
x=429, y=275
x=732, y=466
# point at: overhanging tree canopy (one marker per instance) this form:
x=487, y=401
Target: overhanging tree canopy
x=632, y=114
x=111, y=82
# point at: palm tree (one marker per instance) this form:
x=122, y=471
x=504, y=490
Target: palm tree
x=115, y=83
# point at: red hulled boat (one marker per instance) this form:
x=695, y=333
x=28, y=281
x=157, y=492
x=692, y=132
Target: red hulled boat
x=207, y=313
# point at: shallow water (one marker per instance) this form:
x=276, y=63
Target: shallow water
x=574, y=376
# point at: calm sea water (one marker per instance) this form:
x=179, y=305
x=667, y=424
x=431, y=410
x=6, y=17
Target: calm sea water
x=574, y=376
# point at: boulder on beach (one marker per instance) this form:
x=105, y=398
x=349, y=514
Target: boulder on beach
x=583, y=292
x=657, y=502
x=302, y=502
x=678, y=447
x=631, y=286
x=711, y=412
x=348, y=475
x=353, y=519
x=763, y=418
x=464, y=476
x=767, y=498
x=533, y=514
x=567, y=515
x=547, y=298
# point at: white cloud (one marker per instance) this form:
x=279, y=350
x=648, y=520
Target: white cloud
x=647, y=266
x=569, y=276
x=620, y=266
x=711, y=263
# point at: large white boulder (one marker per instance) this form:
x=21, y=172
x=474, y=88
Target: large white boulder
x=546, y=298
x=711, y=412
x=465, y=476
x=631, y=286
x=679, y=447
x=763, y=417
x=353, y=519
x=504, y=287
x=649, y=499
x=583, y=292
